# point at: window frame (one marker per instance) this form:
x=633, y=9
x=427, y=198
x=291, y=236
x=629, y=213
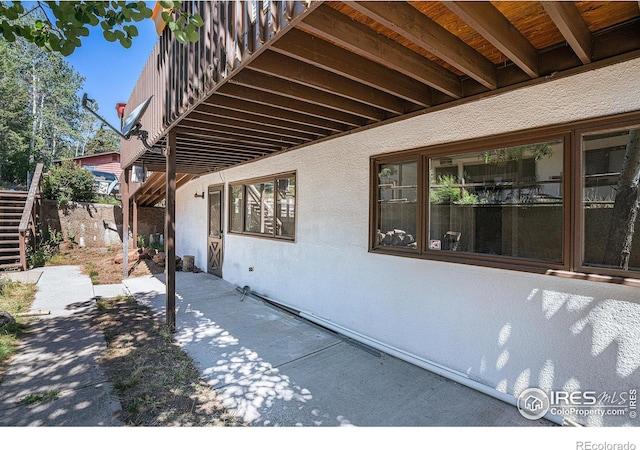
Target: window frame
x=265, y=179
x=571, y=265
x=601, y=126
x=394, y=158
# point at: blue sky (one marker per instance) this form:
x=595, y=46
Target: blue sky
x=110, y=70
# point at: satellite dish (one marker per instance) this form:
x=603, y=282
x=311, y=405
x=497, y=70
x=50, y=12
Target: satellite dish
x=133, y=119
x=131, y=125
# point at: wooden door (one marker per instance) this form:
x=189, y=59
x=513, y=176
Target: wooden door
x=215, y=234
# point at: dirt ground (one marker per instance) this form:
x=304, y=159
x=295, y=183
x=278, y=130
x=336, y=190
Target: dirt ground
x=100, y=265
x=156, y=381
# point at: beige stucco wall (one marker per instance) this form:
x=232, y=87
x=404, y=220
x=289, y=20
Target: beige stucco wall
x=508, y=330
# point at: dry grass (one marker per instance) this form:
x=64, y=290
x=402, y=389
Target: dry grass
x=15, y=298
x=157, y=383
x=99, y=265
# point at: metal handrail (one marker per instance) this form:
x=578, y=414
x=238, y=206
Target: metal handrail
x=28, y=220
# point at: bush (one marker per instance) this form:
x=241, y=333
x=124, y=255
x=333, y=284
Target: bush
x=69, y=182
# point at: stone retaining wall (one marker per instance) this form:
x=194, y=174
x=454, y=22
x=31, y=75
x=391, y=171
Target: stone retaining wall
x=98, y=225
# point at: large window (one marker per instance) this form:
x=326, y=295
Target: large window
x=264, y=207
x=506, y=201
x=561, y=200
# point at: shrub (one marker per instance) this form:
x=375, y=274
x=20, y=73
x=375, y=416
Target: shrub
x=69, y=182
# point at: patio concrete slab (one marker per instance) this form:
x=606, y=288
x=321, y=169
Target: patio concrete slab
x=273, y=368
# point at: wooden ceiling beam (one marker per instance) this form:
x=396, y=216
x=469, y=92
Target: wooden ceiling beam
x=404, y=19
x=205, y=136
x=487, y=20
x=361, y=40
x=236, y=135
x=216, y=151
x=206, y=139
x=154, y=184
x=297, y=71
x=278, y=101
x=259, y=109
x=320, y=53
x=220, y=148
x=244, y=126
x=269, y=121
x=158, y=184
x=220, y=130
x=280, y=86
x=567, y=18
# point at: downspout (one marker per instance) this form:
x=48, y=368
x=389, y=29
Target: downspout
x=431, y=366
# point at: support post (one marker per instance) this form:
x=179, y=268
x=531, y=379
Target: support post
x=170, y=231
x=125, y=223
x=135, y=221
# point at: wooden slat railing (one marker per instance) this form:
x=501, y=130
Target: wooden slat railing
x=30, y=214
x=179, y=76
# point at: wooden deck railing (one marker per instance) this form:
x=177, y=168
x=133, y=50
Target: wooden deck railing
x=179, y=76
x=30, y=214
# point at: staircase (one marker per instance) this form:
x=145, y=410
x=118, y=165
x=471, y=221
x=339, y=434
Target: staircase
x=11, y=207
x=19, y=223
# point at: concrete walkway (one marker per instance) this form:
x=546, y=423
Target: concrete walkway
x=275, y=369
x=59, y=356
x=270, y=367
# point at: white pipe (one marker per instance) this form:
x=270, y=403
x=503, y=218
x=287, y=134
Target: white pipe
x=458, y=377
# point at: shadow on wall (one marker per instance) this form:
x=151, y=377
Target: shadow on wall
x=577, y=343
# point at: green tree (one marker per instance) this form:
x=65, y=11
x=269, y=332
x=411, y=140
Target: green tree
x=103, y=140
x=14, y=119
x=55, y=106
x=40, y=111
x=60, y=26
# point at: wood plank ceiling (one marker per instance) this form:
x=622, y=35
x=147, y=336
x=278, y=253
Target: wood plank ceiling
x=355, y=64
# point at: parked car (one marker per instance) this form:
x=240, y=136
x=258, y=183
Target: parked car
x=106, y=183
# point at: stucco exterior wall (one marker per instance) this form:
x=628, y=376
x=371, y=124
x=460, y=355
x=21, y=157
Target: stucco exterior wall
x=506, y=329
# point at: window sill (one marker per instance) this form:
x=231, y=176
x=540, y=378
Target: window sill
x=262, y=236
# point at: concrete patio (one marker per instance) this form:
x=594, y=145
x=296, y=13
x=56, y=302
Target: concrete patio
x=276, y=369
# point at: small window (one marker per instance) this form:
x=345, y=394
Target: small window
x=258, y=208
x=236, y=208
x=264, y=207
x=286, y=206
x=397, y=209
x=610, y=195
